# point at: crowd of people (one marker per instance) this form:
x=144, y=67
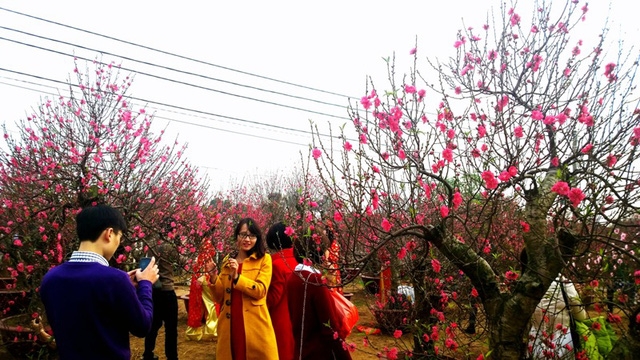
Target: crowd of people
x=268, y=299
x=265, y=300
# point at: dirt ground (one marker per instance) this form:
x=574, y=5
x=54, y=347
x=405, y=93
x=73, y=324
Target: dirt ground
x=206, y=350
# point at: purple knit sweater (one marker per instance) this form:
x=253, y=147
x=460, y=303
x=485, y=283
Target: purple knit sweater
x=92, y=309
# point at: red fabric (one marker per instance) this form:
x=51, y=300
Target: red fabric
x=238, y=338
x=314, y=310
x=347, y=314
x=196, y=304
x=333, y=258
x=283, y=264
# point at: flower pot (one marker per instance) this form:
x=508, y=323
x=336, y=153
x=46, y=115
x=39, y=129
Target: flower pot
x=390, y=320
x=371, y=283
x=19, y=339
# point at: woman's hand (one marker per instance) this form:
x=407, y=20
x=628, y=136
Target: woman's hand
x=233, y=265
x=211, y=266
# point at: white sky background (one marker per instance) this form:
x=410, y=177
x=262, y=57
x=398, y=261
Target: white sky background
x=329, y=45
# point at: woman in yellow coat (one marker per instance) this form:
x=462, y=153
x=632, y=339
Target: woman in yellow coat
x=244, y=325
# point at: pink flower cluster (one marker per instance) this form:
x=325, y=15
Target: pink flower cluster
x=575, y=195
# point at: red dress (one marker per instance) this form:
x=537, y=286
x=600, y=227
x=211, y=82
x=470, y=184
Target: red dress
x=238, y=339
x=277, y=303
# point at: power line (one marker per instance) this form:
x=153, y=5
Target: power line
x=181, y=108
x=171, y=68
x=173, y=54
x=204, y=167
x=178, y=81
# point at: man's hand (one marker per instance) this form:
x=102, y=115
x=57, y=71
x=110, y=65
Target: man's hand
x=150, y=272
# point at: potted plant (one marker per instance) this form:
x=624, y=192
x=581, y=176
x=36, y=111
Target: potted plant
x=393, y=315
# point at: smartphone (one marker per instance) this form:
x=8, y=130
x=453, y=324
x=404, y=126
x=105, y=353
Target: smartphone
x=144, y=262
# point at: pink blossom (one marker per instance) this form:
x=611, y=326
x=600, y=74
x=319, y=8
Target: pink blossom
x=585, y=117
x=289, y=231
x=435, y=264
x=611, y=160
x=17, y=242
x=409, y=89
x=337, y=217
x=375, y=169
x=525, y=226
x=401, y=154
x=608, y=72
x=397, y=334
x=549, y=120
x=560, y=188
x=363, y=139
x=576, y=196
x=402, y=253
x=504, y=176
x=347, y=146
x=386, y=225
x=316, y=153
x=366, y=103
x=566, y=72
x=586, y=149
x=515, y=19
x=502, y=103
x=489, y=179
x=518, y=131
x=412, y=51
x=457, y=200
x=444, y=211
x=536, y=115
x=482, y=131
x=447, y=154
x=555, y=161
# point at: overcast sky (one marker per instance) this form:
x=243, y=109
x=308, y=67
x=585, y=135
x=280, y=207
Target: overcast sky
x=329, y=45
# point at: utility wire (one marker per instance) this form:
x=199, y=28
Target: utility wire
x=173, y=54
x=182, y=108
x=171, y=68
x=178, y=81
x=175, y=120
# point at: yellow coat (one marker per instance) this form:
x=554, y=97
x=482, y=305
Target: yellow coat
x=253, y=283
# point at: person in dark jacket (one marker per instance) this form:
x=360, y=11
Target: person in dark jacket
x=165, y=305
x=92, y=307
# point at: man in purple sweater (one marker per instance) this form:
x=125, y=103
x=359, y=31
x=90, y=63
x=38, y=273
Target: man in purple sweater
x=92, y=307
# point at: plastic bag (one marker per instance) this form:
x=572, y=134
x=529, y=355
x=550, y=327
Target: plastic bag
x=347, y=314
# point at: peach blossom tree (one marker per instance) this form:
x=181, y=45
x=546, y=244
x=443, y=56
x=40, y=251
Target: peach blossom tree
x=94, y=146
x=524, y=125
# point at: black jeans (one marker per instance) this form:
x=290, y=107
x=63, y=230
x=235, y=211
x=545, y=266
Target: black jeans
x=165, y=310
